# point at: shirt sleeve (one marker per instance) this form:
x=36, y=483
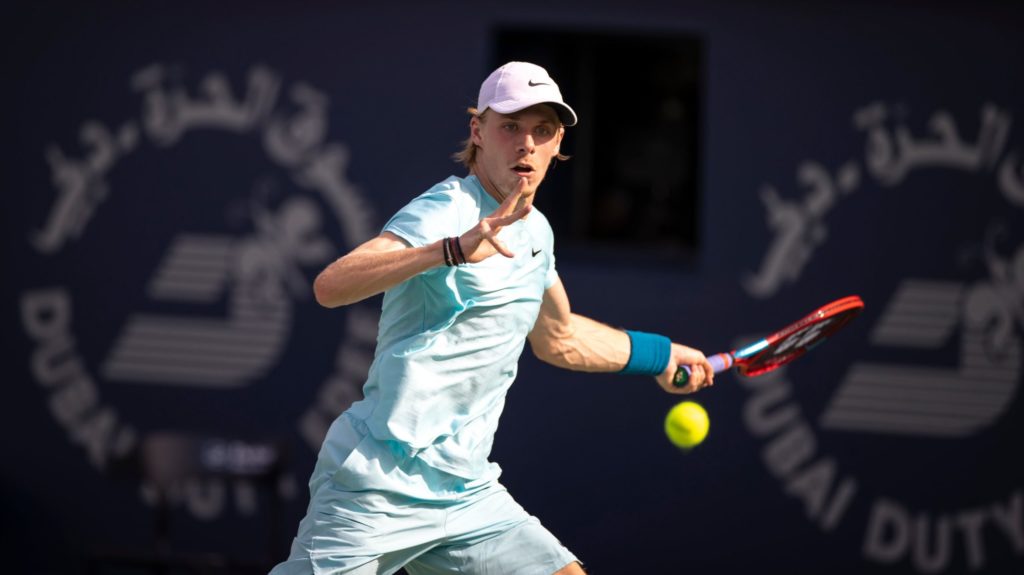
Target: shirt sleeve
x=431, y=216
x=551, y=274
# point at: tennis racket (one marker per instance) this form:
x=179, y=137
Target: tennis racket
x=785, y=345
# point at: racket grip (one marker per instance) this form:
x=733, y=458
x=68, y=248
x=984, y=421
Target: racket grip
x=719, y=362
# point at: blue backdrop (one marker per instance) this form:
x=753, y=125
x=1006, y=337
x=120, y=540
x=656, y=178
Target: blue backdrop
x=174, y=176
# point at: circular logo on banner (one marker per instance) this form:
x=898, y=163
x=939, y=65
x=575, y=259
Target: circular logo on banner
x=889, y=451
x=192, y=293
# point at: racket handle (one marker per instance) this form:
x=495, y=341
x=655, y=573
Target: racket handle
x=719, y=362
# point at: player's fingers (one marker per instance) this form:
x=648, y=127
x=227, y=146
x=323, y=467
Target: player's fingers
x=709, y=372
x=702, y=381
x=489, y=234
x=514, y=216
x=500, y=246
x=510, y=201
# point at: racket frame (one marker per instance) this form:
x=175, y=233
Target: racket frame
x=750, y=360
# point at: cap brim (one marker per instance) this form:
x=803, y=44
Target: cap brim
x=566, y=115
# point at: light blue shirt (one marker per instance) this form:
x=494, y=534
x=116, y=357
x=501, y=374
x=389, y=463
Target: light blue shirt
x=450, y=338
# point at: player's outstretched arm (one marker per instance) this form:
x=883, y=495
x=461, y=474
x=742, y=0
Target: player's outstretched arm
x=374, y=267
x=576, y=342
x=386, y=260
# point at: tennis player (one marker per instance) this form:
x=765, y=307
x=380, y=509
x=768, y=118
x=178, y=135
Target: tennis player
x=468, y=270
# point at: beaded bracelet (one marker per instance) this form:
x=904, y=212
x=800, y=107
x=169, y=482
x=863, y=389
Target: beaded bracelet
x=453, y=255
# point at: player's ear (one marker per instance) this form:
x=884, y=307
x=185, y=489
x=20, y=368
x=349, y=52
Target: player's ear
x=475, y=125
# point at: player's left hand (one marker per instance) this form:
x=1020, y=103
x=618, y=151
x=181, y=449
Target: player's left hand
x=701, y=373
x=481, y=241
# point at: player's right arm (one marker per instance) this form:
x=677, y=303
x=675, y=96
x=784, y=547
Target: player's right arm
x=572, y=341
x=387, y=260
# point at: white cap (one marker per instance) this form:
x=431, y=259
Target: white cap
x=519, y=85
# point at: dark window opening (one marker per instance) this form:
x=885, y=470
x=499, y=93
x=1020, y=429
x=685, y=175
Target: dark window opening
x=632, y=185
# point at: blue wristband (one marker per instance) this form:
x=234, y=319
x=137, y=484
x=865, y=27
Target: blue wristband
x=648, y=354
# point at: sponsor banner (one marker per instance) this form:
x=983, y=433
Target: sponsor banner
x=938, y=367
x=207, y=302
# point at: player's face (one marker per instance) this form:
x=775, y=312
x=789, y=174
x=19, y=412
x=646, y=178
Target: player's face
x=516, y=148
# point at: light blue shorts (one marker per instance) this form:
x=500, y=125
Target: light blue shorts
x=360, y=521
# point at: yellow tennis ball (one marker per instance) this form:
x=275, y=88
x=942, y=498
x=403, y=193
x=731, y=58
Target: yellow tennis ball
x=686, y=424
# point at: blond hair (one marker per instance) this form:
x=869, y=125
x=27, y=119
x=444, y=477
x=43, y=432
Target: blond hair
x=467, y=155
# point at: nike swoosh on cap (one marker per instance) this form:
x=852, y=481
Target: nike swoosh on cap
x=532, y=83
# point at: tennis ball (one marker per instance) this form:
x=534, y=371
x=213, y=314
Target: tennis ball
x=686, y=424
